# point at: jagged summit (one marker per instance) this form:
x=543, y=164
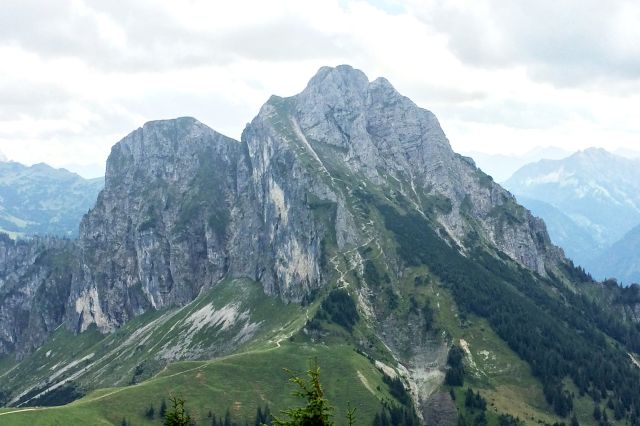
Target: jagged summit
x=370, y=132
x=344, y=77
x=157, y=143
x=597, y=155
x=341, y=75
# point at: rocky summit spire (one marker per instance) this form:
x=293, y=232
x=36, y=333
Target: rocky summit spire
x=289, y=206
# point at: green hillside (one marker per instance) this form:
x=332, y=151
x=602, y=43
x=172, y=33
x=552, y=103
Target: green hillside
x=240, y=383
x=233, y=316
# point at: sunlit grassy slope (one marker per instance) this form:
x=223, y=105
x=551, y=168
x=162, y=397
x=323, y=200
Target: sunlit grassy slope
x=239, y=383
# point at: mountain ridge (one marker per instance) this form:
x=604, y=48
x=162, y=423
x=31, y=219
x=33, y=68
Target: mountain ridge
x=345, y=200
x=42, y=200
x=585, y=187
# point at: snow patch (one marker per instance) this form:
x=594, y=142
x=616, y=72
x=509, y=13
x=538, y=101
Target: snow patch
x=557, y=176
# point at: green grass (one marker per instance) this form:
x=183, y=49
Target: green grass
x=239, y=383
x=491, y=367
x=144, y=346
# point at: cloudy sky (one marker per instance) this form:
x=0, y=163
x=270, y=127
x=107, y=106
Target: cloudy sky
x=503, y=77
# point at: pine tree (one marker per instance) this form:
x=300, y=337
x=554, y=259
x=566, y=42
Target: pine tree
x=351, y=415
x=227, y=418
x=259, y=420
x=317, y=412
x=177, y=416
x=597, y=414
x=163, y=409
x=150, y=413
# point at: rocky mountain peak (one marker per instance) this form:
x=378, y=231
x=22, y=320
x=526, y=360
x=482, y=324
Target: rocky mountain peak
x=343, y=79
x=185, y=207
x=597, y=156
x=156, y=144
x=369, y=132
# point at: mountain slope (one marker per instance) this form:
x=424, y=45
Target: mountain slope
x=342, y=218
x=42, y=200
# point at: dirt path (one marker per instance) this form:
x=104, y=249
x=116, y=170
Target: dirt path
x=22, y=411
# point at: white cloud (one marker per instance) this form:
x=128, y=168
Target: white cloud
x=502, y=77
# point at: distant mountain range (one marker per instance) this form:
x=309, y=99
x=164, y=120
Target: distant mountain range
x=42, y=200
x=621, y=260
x=502, y=166
x=590, y=201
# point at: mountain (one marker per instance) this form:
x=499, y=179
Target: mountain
x=342, y=226
x=43, y=200
x=502, y=166
x=3, y=158
x=577, y=241
x=621, y=260
x=587, y=187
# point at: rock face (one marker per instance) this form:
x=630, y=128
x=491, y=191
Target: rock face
x=162, y=228
x=35, y=279
x=367, y=130
x=185, y=207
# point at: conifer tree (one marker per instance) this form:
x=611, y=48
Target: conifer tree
x=177, y=416
x=317, y=412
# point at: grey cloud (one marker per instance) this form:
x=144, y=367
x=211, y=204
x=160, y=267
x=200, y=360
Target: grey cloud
x=19, y=97
x=517, y=114
x=430, y=94
x=154, y=40
x=567, y=42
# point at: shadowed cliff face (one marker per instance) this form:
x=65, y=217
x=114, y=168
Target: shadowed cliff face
x=184, y=207
x=35, y=280
x=161, y=230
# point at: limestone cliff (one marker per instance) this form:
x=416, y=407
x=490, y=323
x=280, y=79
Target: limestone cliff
x=184, y=207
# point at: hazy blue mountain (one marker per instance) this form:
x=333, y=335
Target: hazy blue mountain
x=598, y=190
x=621, y=260
x=43, y=200
x=502, y=166
x=577, y=242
